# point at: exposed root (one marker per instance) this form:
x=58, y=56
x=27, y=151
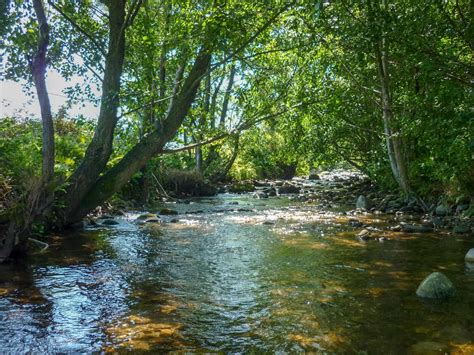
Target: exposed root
x=43, y=245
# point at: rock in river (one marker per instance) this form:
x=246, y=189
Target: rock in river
x=436, y=286
x=168, y=212
x=469, y=258
x=313, y=175
x=145, y=216
x=288, y=189
x=109, y=222
x=461, y=229
x=442, y=210
x=411, y=228
x=363, y=203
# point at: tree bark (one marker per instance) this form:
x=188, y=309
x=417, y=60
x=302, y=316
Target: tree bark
x=39, y=199
x=38, y=69
x=225, y=104
x=149, y=146
x=100, y=148
x=204, y=118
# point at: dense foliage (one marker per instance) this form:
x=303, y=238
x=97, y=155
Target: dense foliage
x=259, y=89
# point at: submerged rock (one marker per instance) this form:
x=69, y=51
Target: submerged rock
x=363, y=203
x=436, y=286
x=411, y=228
x=109, y=222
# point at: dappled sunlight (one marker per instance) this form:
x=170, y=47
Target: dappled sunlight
x=332, y=287
x=5, y=290
x=329, y=341
x=351, y=242
x=461, y=349
x=304, y=241
x=268, y=279
x=136, y=333
x=375, y=291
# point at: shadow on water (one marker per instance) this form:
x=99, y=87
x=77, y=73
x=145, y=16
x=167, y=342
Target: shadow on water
x=273, y=276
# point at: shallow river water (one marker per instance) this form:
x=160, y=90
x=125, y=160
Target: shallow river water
x=237, y=274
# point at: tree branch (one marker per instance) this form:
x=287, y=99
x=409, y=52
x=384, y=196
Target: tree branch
x=79, y=28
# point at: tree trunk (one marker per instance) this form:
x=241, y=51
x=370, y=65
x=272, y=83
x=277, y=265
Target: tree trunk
x=198, y=158
x=100, y=148
x=40, y=198
x=204, y=118
x=38, y=69
x=149, y=146
x=225, y=104
x=392, y=132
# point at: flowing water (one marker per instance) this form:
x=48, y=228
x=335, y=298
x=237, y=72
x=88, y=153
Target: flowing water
x=240, y=275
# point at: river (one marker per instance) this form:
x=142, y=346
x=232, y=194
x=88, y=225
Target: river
x=237, y=274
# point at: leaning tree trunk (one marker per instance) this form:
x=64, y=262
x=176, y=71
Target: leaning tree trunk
x=149, y=146
x=100, y=148
x=40, y=197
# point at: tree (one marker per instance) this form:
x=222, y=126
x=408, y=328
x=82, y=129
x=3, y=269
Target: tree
x=93, y=181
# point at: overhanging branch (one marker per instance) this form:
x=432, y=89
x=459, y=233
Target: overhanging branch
x=79, y=28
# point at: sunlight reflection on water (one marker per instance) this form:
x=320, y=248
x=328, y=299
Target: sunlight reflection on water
x=275, y=277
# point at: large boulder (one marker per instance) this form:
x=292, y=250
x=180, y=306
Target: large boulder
x=363, y=203
x=436, y=286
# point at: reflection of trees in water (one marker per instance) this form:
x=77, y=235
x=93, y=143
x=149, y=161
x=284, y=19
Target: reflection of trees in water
x=25, y=314
x=62, y=299
x=221, y=284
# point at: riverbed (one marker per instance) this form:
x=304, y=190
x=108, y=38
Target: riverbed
x=234, y=273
